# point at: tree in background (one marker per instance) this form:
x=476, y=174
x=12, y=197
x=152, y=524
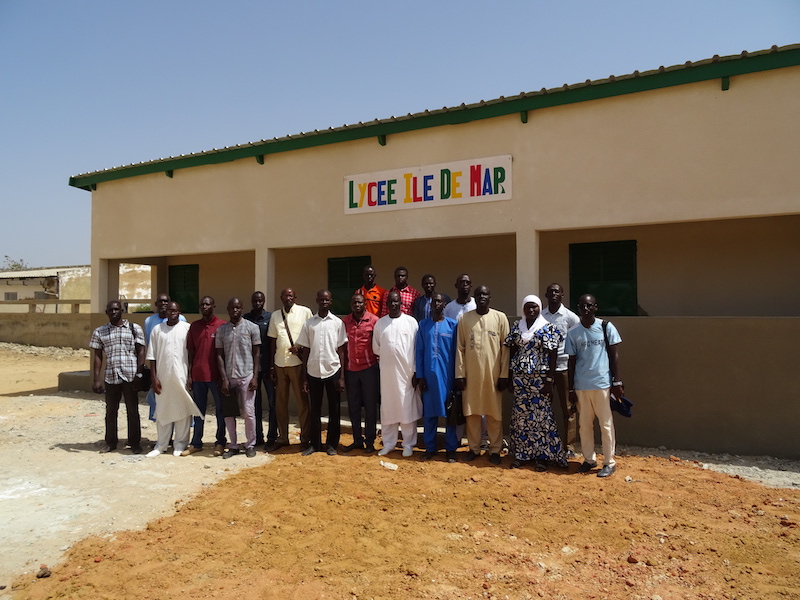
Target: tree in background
x=10, y=264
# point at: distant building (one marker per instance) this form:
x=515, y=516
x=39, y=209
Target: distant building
x=66, y=283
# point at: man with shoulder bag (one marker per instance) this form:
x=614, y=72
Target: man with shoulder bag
x=593, y=376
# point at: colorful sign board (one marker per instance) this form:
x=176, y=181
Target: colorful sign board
x=446, y=184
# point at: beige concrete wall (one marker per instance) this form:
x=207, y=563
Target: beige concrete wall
x=685, y=153
x=69, y=330
x=712, y=384
x=734, y=267
x=488, y=260
x=222, y=276
x=75, y=284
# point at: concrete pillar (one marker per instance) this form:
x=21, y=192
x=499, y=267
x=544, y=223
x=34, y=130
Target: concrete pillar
x=265, y=275
x=159, y=279
x=113, y=280
x=98, y=285
x=105, y=283
x=527, y=266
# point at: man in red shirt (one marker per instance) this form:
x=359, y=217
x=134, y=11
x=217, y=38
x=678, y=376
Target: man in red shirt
x=374, y=295
x=361, y=375
x=204, y=375
x=407, y=293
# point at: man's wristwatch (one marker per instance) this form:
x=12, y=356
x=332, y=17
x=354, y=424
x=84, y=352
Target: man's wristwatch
x=616, y=384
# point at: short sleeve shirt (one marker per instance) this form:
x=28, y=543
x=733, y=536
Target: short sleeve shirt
x=119, y=345
x=587, y=345
x=454, y=310
x=359, y=341
x=295, y=319
x=322, y=336
x=237, y=342
x=201, y=341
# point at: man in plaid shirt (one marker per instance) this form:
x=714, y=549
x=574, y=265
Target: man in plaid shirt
x=407, y=293
x=123, y=345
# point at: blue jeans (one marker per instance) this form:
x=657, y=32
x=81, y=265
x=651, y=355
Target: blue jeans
x=200, y=391
x=451, y=440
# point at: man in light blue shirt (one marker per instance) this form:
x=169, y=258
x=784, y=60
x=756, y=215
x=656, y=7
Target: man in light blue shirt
x=593, y=376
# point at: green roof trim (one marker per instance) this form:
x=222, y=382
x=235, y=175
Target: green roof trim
x=714, y=68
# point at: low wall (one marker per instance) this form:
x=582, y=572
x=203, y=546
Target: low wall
x=42, y=329
x=714, y=384
x=699, y=383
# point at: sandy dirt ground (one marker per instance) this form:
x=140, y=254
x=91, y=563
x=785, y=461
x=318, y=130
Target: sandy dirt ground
x=666, y=525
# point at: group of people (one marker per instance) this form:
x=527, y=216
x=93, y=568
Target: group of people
x=402, y=354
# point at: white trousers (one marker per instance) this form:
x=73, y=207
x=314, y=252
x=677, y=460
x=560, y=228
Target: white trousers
x=389, y=434
x=591, y=404
x=180, y=441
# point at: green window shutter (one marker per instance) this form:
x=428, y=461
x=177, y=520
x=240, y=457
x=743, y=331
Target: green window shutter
x=184, y=287
x=607, y=270
x=344, y=276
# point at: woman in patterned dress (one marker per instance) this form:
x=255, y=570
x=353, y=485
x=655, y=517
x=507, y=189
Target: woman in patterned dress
x=534, y=350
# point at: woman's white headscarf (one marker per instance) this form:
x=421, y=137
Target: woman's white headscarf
x=524, y=330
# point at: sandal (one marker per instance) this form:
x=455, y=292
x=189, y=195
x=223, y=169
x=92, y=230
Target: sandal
x=517, y=463
x=540, y=467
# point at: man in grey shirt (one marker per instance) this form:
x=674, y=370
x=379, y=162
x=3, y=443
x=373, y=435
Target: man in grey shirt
x=238, y=345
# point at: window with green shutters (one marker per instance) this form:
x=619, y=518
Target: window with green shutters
x=607, y=270
x=184, y=287
x=344, y=277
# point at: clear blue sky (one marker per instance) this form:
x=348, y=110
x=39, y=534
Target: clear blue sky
x=92, y=84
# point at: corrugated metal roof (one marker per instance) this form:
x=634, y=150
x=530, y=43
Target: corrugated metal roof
x=33, y=273
x=689, y=72
x=28, y=274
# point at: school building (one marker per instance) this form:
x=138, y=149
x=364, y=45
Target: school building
x=673, y=195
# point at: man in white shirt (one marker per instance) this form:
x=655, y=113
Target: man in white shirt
x=160, y=316
x=322, y=342
x=169, y=361
x=463, y=302
x=394, y=341
x=287, y=368
x=564, y=319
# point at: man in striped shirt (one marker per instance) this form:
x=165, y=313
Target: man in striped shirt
x=123, y=345
x=407, y=293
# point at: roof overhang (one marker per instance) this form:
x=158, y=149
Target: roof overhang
x=721, y=68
